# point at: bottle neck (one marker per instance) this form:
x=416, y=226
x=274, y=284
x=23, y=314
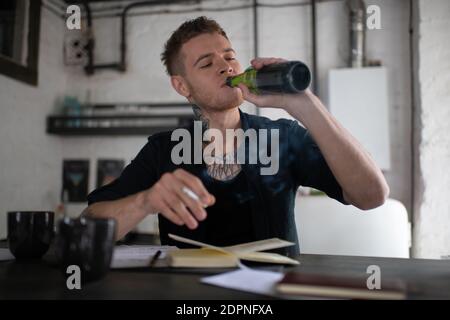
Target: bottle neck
x=248, y=78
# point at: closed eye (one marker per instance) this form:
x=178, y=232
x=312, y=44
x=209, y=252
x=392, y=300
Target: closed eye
x=209, y=64
x=206, y=66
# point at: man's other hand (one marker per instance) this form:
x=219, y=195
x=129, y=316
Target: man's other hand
x=168, y=196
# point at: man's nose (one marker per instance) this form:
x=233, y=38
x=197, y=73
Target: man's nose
x=226, y=68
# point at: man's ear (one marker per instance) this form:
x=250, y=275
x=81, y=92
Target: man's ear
x=180, y=85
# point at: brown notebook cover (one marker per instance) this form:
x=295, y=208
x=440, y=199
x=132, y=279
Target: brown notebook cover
x=341, y=287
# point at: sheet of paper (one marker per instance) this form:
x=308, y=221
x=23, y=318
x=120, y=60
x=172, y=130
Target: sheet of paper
x=5, y=254
x=246, y=279
x=138, y=256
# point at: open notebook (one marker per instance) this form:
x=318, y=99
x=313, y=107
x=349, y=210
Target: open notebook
x=210, y=256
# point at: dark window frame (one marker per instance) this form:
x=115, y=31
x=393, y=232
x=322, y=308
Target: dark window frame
x=29, y=72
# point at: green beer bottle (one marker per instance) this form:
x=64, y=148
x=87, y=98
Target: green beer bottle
x=285, y=77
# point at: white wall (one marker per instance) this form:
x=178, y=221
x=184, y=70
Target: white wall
x=284, y=32
x=391, y=46
x=144, y=81
x=30, y=160
x=432, y=218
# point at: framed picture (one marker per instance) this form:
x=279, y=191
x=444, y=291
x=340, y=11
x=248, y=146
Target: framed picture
x=76, y=179
x=20, y=22
x=108, y=170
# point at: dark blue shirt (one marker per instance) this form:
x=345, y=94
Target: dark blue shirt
x=270, y=197
x=231, y=214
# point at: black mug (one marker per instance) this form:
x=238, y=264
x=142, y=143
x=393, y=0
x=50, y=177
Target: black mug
x=30, y=233
x=87, y=243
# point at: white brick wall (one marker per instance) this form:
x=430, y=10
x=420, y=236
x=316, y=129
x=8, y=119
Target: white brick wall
x=30, y=160
x=432, y=218
x=283, y=32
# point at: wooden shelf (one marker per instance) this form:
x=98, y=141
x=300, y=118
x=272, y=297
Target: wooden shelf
x=120, y=119
x=107, y=125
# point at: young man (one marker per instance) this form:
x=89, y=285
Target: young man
x=236, y=203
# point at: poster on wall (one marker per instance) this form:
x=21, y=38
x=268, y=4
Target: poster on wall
x=108, y=170
x=76, y=179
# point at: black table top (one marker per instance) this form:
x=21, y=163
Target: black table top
x=41, y=279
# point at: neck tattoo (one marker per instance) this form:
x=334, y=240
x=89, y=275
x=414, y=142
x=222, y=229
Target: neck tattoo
x=198, y=116
x=220, y=171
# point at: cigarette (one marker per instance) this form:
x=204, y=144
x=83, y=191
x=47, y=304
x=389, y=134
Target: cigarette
x=190, y=193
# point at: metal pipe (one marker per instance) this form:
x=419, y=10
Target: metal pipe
x=255, y=29
x=414, y=110
x=123, y=42
x=255, y=37
x=90, y=44
x=357, y=10
x=106, y=66
x=121, y=65
x=314, y=47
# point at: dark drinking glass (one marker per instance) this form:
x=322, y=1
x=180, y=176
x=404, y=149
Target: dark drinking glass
x=30, y=233
x=87, y=243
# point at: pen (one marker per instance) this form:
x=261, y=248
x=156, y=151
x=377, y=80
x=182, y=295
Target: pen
x=155, y=257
